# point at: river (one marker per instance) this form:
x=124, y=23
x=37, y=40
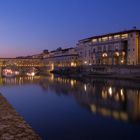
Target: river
x=68, y=109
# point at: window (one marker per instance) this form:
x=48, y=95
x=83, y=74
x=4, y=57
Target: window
x=110, y=37
x=117, y=54
x=94, y=40
x=89, y=52
x=85, y=54
x=124, y=36
x=99, y=39
x=116, y=36
x=104, y=55
x=104, y=48
x=99, y=48
x=116, y=46
x=104, y=38
x=93, y=50
x=109, y=48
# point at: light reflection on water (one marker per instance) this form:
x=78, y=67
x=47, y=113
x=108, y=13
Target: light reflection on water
x=85, y=109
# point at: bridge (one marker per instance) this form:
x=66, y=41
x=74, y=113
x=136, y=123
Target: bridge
x=22, y=62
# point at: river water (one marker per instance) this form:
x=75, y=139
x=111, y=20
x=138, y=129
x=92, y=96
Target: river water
x=68, y=109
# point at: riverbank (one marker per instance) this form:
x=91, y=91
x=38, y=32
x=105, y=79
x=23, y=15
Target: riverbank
x=101, y=76
x=12, y=125
x=109, y=72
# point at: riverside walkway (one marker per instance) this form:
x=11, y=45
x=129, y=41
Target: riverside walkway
x=12, y=125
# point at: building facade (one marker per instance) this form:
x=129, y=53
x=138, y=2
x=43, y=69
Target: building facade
x=61, y=58
x=119, y=48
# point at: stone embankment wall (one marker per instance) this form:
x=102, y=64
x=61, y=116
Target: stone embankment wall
x=112, y=69
x=12, y=125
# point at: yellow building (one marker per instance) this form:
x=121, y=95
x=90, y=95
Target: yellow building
x=62, y=58
x=119, y=48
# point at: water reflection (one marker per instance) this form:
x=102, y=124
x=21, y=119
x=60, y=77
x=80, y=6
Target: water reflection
x=119, y=100
x=114, y=99
x=19, y=80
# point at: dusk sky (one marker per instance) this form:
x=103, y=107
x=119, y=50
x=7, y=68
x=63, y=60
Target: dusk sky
x=29, y=26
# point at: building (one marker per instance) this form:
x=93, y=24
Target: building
x=39, y=56
x=61, y=58
x=119, y=48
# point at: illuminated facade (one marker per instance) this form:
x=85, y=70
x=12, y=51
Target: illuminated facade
x=61, y=58
x=21, y=62
x=120, y=48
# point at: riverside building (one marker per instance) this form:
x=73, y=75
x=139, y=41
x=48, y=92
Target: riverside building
x=61, y=58
x=119, y=48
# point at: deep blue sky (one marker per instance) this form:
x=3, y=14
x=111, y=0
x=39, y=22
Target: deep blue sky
x=29, y=26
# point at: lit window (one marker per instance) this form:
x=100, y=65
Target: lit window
x=122, y=61
x=117, y=53
x=123, y=53
x=116, y=36
x=100, y=39
x=104, y=38
x=85, y=62
x=110, y=91
x=73, y=64
x=104, y=55
x=110, y=37
x=124, y=36
x=94, y=40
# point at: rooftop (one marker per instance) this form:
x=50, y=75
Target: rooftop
x=109, y=34
x=63, y=50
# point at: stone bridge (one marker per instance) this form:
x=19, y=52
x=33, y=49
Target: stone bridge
x=21, y=63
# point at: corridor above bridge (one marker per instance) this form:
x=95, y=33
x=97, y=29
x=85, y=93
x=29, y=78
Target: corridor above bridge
x=21, y=62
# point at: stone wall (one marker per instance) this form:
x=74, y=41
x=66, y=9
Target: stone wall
x=12, y=125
